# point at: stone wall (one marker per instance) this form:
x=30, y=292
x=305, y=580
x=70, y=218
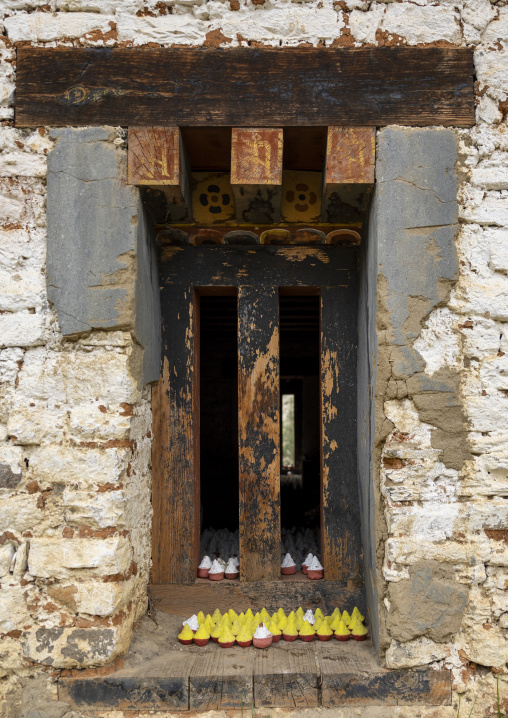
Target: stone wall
x=74, y=408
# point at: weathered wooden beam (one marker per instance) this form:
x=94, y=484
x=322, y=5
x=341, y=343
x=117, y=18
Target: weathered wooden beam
x=259, y=432
x=244, y=88
x=205, y=595
x=156, y=157
x=341, y=547
x=175, y=484
x=256, y=174
x=254, y=234
x=349, y=173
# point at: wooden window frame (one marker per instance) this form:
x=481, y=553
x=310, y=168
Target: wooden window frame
x=331, y=272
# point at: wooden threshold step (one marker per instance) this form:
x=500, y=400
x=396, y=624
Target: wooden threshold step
x=287, y=675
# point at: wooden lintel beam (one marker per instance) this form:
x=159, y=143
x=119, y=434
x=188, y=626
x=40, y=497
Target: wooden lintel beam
x=156, y=159
x=270, y=87
x=256, y=173
x=349, y=173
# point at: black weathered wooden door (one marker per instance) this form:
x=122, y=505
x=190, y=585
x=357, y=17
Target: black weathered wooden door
x=257, y=275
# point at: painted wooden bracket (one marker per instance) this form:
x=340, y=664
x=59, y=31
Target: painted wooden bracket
x=349, y=174
x=256, y=174
x=301, y=196
x=157, y=161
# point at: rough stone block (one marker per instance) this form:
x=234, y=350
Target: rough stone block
x=492, y=71
x=11, y=471
x=10, y=362
x=75, y=647
x=41, y=377
x=94, y=509
x=59, y=558
x=490, y=178
x=11, y=660
x=485, y=207
x=96, y=599
x=20, y=329
x=73, y=466
x=103, y=375
x=422, y=24
x=430, y=604
x=488, y=646
x=7, y=552
x=419, y=652
x=34, y=422
x=286, y=24
x=22, y=164
x=13, y=609
x=46, y=27
x=18, y=293
x=106, y=7
x=20, y=248
x=20, y=513
x=91, y=423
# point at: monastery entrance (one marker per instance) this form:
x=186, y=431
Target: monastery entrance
x=244, y=326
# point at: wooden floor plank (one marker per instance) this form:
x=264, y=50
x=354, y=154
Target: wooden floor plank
x=349, y=674
x=221, y=678
x=160, y=684
x=270, y=688
x=303, y=675
x=285, y=676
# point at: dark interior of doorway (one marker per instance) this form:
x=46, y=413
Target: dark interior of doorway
x=218, y=379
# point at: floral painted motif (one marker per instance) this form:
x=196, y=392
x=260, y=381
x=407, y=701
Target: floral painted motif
x=212, y=198
x=301, y=196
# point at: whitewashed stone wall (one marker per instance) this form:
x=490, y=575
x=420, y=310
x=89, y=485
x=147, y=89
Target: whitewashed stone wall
x=74, y=423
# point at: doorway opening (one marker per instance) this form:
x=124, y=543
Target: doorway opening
x=218, y=402
x=300, y=476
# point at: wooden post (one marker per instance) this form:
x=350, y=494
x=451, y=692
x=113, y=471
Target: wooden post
x=258, y=432
x=340, y=537
x=175, y=488
x=256, y=174
x=156, y=157
x=349, y=174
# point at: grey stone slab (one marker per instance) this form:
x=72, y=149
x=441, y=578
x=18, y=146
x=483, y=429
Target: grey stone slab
x=148, y=312
x=430, y=603
x=92, y=233
x=101, y=263
x=415, y=215
x=408, y=266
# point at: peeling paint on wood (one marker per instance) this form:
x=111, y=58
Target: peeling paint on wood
x=156, y=157
x=173, y=493
x=340, y=540
x=256, y=174
x=258, y=432
x=349, y=175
